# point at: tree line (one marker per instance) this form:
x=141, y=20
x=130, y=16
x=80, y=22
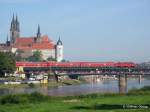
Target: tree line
x=7, y=63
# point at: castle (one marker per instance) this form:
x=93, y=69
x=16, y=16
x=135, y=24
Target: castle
x=28, y=45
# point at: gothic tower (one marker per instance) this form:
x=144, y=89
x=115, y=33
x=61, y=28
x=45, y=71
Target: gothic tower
x=14, y=30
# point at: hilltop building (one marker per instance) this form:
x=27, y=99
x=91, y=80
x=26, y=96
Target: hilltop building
x=27, y=45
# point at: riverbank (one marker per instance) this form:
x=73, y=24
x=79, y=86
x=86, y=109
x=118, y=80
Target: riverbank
x=135, y=101
x=50, y=84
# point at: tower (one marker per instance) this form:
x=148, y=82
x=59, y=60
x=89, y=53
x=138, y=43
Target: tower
x=14, y=30
x=7, y=41
x=59, y=50
x=38, y=35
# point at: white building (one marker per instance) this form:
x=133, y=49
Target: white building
x=59, y=51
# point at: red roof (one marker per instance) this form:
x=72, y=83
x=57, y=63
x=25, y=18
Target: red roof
x=24, y=40
x=29, y=44
x=45, y=39
x=42, y=46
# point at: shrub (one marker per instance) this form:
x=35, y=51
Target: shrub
x=12, y=99
x=23, y=98
x=143, y=90
x=37, y=97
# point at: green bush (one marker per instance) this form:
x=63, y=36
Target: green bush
x=37, y=97
x=23, y=98
x=143, y=90
x=13, y=99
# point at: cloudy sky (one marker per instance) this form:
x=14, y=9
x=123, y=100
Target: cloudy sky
x=91, y=30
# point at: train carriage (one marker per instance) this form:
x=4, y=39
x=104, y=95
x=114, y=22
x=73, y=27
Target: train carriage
x=75, y=64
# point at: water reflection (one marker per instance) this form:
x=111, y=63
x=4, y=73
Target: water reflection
x=110, y=86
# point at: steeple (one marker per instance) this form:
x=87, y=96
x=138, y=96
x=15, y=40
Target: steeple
x=38, y=35
x=12, y=23
x=13, y=19
x=59, y=42
x=16, y=19
x=7, y=41
x=7, y=38
x=17, y=24
x=38, y=32
x=14, y=29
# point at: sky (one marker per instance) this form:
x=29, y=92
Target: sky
x=91, y=30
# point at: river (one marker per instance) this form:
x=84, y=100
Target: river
x=110, y=86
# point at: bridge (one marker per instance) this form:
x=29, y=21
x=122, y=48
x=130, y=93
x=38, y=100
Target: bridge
x=120, y=69
x=89, y=70
x=96, y=67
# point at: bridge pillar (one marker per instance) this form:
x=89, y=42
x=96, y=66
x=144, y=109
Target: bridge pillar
x=140, y=79
x=122, y=83
x=56, y=77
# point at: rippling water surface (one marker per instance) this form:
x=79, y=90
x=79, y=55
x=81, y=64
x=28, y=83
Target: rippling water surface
x=101, y=87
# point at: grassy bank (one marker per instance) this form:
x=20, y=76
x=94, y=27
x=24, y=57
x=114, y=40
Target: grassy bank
x=83, y=103
x=13, y=85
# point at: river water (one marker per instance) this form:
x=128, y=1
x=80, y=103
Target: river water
x=110, y=86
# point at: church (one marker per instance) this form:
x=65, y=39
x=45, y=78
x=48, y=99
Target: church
x=28, y=45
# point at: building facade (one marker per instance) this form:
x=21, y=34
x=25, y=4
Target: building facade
x=28, y=45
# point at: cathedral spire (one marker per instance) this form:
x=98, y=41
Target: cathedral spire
x=7, y=41
x=38, y=35
x=17, y=24
x=12, y=23
x=14, y=29
x=7, y=38
x=38, y=32
x=16, y=18
x=13, y=19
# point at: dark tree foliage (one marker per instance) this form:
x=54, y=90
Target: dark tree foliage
x=37, y=56
x=7, y=63
x=64, y=60
x=51, y=59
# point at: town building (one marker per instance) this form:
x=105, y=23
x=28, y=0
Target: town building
x=27, y=45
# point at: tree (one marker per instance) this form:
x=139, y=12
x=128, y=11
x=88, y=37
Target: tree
x=51, y=59
x=37, y=56
x=18, y=56
x=7, y=63
x=64, y=60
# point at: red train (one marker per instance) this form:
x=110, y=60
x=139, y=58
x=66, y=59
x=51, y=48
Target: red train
x=76, y=64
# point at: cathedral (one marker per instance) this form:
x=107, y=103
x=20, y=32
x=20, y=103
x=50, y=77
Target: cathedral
x=28, y=45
